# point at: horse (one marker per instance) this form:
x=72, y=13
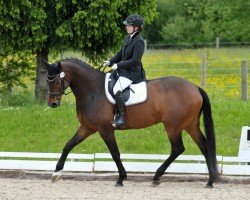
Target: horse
x=173, y=101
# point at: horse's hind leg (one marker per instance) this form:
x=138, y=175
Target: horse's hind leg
x=81, y=134
x=196, y=134
x=177, y=148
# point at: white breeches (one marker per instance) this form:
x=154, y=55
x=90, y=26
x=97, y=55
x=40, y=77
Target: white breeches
x=121, y=84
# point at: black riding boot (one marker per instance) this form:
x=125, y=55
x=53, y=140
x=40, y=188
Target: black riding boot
x=120, y=120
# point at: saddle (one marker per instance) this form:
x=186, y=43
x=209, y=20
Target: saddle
x=134, y=94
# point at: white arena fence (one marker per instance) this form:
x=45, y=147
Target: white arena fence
x=136, y=163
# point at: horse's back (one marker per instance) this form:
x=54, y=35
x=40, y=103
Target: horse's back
x=171, y=85
x=171, y=82
x=174, y=97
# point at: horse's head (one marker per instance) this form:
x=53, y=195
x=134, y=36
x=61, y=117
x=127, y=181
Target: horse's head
x=57, y=83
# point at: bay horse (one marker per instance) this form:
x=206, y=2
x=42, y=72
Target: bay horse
x=174, y=101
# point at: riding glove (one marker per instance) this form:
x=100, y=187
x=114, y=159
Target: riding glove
x=114, y=67
x=106, y=63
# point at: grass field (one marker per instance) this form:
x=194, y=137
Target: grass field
x=43, y=129
x=37, y=128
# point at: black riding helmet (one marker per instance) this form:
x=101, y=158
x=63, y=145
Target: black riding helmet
x=134, y=20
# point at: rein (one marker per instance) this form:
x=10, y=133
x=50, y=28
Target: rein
x=80, y=86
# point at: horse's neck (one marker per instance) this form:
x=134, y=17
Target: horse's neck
x=85, y=80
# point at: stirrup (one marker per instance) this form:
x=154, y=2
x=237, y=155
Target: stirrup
x=116, y=116
x=121, y=123
x=114, y=124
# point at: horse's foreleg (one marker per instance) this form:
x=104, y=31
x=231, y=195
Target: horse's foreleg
x=176, y=150
x=109, y=139
x=79, y=136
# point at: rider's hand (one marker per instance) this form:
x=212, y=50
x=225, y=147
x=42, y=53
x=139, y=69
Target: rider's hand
x=114, y=67
x=105, y=63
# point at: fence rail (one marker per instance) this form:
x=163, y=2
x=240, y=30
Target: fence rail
x=102, y=162
x=202, y=73
x=217, y=44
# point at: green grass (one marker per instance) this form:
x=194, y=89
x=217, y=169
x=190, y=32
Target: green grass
x=37, y=128
x=223, y=75
x=43, y=129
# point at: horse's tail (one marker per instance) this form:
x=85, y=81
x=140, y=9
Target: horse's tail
x=210, y=135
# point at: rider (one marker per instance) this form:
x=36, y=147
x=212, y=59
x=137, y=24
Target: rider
x=127, y=64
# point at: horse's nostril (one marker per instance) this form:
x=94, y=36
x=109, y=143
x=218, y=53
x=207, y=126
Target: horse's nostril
x=54, y=105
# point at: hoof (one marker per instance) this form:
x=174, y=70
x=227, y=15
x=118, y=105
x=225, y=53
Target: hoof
x=56, y=177
x=118, y=184
x=155, y=183
x=209, y=186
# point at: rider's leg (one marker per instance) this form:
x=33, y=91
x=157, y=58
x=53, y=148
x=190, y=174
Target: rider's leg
x=121, y=84
x=120, y=119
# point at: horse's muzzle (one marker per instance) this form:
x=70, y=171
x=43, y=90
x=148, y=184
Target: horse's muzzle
x=54, y=102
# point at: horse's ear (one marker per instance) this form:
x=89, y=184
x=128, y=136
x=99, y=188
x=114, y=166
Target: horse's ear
x=46, y=63
x=59, y=65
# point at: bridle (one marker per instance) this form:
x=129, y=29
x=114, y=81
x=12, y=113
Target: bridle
x=52, y=79
x=62, y=76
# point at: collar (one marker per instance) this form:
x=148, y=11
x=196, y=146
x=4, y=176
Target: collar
x=133, y=35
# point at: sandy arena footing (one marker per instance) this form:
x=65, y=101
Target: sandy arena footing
x=29, y=185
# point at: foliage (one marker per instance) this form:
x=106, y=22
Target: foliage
x=14, y=66
x=93, y=27
x=200, y=21
x=90, y=26
x=20, y=97
x=229, y=19
x=152, y=31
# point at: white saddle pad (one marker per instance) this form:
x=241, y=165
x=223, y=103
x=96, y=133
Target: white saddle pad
x=138, y=95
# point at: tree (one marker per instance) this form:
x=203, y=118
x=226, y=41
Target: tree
x=229, y=20
x=93, y=27
x=152, y=31
x=13, y=66
x=185, y=25
x=200, y=21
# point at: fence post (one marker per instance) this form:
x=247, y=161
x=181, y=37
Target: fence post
x=244, y=80
x=217, y=43
x=203, y=69
x=146, y=45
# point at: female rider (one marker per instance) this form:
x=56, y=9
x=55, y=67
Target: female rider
x=128, y=65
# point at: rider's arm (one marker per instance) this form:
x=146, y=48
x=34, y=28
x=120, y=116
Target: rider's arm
x=136, y=58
